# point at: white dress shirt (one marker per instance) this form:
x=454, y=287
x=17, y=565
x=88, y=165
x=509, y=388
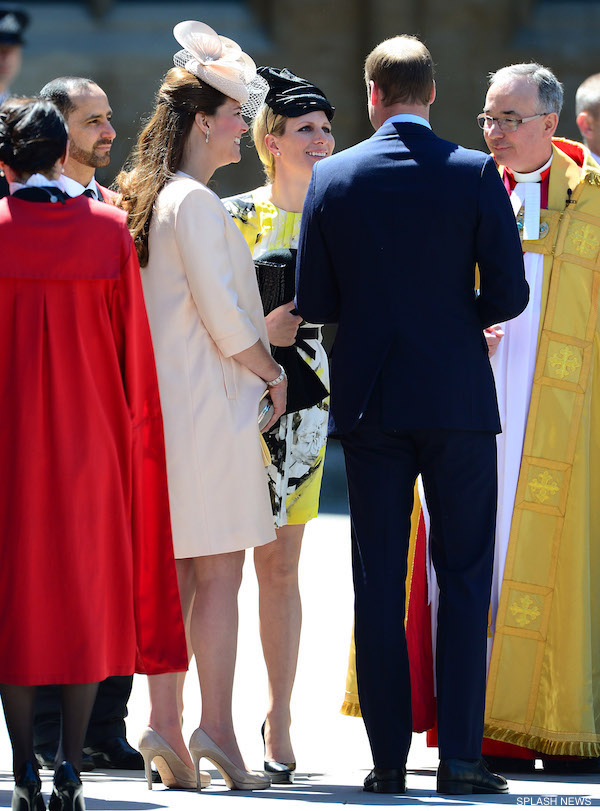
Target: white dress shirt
x=73, y=188
x=408, y=118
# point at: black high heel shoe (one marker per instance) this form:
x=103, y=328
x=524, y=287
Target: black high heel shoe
x=278, y=772
x=27, y=793
x=67, y=794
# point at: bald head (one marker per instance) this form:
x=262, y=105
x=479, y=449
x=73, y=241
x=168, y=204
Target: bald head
x=60, y=91
x=587, y=110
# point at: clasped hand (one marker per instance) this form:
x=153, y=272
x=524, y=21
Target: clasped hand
x=493, y=335
x=282, y=325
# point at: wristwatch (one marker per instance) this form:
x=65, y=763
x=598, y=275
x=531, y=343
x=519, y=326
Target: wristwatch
x=280, y=378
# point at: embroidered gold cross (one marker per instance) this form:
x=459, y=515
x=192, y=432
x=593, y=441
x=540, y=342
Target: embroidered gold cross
x=543, y=487
x=564, y=362
x=524, y=610
x=584, y=239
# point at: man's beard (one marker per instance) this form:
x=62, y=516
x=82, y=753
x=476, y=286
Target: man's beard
x=92, y=158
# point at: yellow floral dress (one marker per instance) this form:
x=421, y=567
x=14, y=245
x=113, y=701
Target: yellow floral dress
x=297, y=442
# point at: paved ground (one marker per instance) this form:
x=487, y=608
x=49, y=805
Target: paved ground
x=331, y=750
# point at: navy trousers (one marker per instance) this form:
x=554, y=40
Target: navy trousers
x=107, y=719
x=460, y=481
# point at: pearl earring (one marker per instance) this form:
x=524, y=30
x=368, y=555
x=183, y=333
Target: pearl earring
x=206, y=139
x=278, y=154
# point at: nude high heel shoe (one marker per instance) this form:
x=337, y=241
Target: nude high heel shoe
x=235, y=778
x=173, y=771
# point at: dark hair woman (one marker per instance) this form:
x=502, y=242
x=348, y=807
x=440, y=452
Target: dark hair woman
x=213, y=366
x=83, y=499
x=292, y=131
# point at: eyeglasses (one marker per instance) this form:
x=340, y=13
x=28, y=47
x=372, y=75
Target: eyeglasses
x=504, y=124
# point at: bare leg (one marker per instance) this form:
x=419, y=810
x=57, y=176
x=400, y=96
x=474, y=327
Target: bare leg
x=77, y=701
x=17, y=700
x=280, y=608
x=214, y=641
x=166, y=690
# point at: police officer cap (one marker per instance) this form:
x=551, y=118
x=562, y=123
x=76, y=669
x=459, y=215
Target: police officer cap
x=13, y=22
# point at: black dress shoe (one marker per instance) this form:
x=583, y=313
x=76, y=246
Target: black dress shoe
x=456, y=776
x=115, y=753
x=580, y=765
x=281, y=773
x=510, y=765
x=67, y=792
x=46, y=759
x=386, y=781
x=27, y=793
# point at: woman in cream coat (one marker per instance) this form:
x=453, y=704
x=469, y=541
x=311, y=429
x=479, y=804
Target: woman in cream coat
x=204, y=308
x=213, y=365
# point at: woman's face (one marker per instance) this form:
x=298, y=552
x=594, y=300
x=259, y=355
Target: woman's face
x=226, y=129
x=306, y=140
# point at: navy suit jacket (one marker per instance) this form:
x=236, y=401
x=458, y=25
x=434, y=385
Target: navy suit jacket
x=392, y=229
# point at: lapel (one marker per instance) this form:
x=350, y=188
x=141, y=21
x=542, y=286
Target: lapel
x=564, y=175
x=106, y=195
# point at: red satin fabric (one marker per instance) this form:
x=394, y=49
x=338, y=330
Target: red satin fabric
x=418, y=639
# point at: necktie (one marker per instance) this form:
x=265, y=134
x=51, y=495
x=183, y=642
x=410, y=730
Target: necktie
x=89, y=193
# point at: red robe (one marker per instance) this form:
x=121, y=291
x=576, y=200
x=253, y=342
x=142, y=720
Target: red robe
x=88, y=587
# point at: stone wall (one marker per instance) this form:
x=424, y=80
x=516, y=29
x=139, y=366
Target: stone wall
x=129, y=47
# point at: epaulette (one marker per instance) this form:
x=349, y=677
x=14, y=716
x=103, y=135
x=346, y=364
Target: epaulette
x=592, y=176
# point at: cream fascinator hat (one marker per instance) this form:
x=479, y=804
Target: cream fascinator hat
x=221, y=63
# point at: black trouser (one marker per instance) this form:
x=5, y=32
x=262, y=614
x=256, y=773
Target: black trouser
x=460, y=481
x=107, y=720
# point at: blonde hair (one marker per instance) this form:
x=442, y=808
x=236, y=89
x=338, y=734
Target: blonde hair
x=267, y=123
x=159, y=151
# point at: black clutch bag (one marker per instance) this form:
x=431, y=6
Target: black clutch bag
x=275, y=274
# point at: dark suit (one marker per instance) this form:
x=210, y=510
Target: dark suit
x=391, y=232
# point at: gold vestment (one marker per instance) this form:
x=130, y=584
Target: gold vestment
x=543, y=687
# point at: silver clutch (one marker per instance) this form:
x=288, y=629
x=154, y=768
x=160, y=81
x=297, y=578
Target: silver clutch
x=265, y=410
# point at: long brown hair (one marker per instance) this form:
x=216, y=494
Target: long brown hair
x=159, y=150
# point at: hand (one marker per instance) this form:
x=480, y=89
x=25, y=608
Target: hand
x=278, y=395
x=493, y=335
x=282, y=326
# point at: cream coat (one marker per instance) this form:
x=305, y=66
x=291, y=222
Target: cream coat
x=203, y=306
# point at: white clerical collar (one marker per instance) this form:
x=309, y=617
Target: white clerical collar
x=528, y=194
x=36, y=179
x=408, y=118
x=74, y=189
x=532, y=177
